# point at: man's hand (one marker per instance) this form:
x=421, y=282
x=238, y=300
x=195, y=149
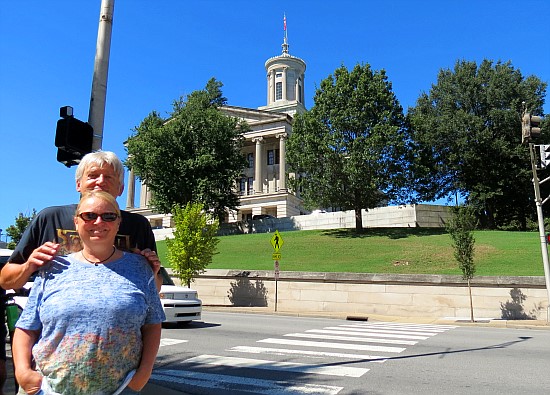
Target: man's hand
x=42, y=255
x=154, y=262
x=152, y=258
x=15, y=276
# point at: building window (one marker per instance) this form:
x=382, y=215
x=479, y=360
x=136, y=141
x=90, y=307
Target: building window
x=273, y=157
x=242, y=186
x=278, y=91
x=250, y=159
x=250, y=185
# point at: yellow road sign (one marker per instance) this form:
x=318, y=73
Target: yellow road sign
x=277, y=241
x=276, y=256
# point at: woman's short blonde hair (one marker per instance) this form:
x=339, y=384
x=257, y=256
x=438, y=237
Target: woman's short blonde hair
x=102, y=195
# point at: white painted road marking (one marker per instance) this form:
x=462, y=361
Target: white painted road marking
x=306, y=353
x=171, y=342
x=225, y=384
x=344, y=346
x=343, y=371
x=353, y=339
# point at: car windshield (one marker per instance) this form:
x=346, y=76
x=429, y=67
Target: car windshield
x=166, y=279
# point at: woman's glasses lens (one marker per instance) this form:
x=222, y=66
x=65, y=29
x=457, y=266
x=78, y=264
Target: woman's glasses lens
x=107, y=217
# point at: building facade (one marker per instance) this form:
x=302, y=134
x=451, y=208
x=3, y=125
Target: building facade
x=263, y=184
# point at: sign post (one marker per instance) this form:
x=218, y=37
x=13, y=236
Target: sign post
x=276, y=242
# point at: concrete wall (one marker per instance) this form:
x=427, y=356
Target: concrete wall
x=360, y=293
x=404, y=216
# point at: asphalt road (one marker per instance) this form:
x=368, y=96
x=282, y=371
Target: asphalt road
x=233, y=353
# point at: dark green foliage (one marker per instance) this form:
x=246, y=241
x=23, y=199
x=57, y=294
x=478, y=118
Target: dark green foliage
x=15, y=232
x=467, y=134
x=350, y=149
x=192, y=156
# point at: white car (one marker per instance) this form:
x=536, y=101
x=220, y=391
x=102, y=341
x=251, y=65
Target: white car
x=180, y=304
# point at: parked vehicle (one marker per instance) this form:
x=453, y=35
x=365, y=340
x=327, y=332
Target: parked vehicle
x=262, y=216
x=180, y=304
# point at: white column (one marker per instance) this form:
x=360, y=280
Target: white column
x=258, y=165
x=282, y=161
x=131, y=194
x=143, y=195
x=271, y=87
x=284, y=84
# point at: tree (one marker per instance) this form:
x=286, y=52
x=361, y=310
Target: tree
x=193, y=156
x=350, y=148
x=460, y=228
x=15, y=232
x=467, y=135
x=194, y=243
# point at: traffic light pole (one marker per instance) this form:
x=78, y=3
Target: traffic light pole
x=542, y=233
x=96, y=115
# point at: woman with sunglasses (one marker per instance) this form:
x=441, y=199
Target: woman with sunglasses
x=93, y=319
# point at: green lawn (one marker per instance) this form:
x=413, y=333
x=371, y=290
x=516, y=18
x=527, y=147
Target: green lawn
x=390, y=250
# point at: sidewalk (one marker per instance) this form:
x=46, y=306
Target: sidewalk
x=479, y=321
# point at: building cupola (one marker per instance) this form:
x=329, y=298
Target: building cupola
x=285, y=81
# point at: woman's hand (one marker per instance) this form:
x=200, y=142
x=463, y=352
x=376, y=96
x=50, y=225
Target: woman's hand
x=30, y=380
x=138, y=381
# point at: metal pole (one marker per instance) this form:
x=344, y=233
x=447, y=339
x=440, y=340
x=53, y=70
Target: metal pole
x=542, y=233
x=96, y=115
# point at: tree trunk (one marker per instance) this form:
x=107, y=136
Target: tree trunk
x=358, y=220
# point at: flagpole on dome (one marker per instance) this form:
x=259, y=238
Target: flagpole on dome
x=285, y=42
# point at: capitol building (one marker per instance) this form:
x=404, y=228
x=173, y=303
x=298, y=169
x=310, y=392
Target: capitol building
x=263, y=184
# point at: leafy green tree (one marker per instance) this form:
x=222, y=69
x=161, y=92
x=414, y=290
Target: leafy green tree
x=350, y=148
x=194, y=243
x=192, y=156
x=15, y=232
x=467, y=136
x=460, y=227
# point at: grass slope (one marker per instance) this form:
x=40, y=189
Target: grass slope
x=379, y=250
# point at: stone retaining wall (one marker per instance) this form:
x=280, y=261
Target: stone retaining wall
x=395, y=295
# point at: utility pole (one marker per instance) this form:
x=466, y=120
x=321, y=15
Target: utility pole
x=96, y=115
x=542, y=233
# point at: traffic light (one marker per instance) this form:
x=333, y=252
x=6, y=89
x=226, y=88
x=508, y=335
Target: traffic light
x=73, y=138
x=544, y=156
x=530, y=127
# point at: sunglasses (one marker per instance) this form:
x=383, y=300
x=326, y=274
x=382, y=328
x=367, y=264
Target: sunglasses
x=106, y=217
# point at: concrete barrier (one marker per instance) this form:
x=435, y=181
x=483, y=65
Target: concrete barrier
x=434, y=296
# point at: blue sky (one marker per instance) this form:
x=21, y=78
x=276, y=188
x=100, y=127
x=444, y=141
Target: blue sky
x=165, y=49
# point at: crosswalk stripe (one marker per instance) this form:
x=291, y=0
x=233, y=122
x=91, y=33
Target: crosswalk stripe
x=353, y=339
x=343, y=346
x=171, y=342
x=410, y=326
x=343, y=371
x=378, y=330
x=368, y=333
x=227, y=384
x=306, y=353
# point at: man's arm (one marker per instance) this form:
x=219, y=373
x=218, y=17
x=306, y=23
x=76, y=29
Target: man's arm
x=15, y=275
